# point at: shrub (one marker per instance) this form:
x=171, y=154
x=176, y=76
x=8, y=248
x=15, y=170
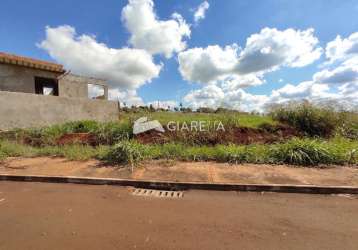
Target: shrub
x=309, y=119
x=112, y=132
x=349, y=127
x=125, y=152
x=301, y=152
x=85, y=126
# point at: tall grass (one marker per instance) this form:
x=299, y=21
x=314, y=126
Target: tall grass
x=106, y=133
x=306, y=152
x=302, y=152
x=310, y=119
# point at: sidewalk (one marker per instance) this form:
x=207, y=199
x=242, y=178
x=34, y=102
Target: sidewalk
x=210, y=172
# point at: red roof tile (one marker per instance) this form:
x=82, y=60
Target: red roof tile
x=30, y=62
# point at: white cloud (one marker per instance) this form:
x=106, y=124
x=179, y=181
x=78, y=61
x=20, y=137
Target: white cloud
x=241, y=100
x=266, y=51
x=124, y=68
x=304, y=90
x=205, y=65
x=200, y=11
x=338, y=84
x=272, y=48
x=150, y=33
x=342, y=49
x=233, y=82
x=125, y=97
x=208, y=96
x=213, y=96
x=340, y=75
x=95, y=91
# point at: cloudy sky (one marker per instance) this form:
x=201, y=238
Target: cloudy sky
x=240, y=54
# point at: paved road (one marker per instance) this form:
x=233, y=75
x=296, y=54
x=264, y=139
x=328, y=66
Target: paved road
x=66, y=216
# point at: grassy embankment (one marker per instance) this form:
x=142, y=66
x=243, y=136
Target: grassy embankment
x=328, y=137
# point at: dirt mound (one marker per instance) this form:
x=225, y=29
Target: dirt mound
x=236, y=135
x=77, y=138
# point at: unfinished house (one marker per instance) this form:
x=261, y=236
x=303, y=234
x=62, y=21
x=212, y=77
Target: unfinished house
x=36, y=93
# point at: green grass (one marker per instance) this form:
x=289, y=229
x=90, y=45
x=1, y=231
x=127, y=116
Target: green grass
x=106, y=133
x=228, y=119
x=110, y=133
x=71, y=152
x=305, y=152
x=116, y=145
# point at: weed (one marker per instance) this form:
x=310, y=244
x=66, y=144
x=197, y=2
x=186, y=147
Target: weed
x=301, y=152
x=125, y=152
x=309, y=119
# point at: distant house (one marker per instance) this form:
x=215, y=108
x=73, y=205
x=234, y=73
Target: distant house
x=36, y=93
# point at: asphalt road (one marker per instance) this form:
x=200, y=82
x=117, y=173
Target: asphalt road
x=67, y=216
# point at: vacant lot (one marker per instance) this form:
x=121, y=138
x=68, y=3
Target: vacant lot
x=298, y=135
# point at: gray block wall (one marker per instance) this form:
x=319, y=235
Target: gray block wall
x=73, y=86
x=21, y=79
x=17, y=78
x=22, y=110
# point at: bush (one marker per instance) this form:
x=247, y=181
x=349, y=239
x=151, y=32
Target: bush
x=309, y=119
x=9, y=149
x=112, y=132
x=301, y=152
x=125, y=152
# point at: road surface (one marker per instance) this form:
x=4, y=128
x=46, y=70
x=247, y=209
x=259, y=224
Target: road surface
x=68, y=216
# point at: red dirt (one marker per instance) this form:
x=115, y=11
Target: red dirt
x=238, y=135
x=81, y=138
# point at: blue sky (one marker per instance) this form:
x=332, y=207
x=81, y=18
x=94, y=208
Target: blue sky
x=23, y=29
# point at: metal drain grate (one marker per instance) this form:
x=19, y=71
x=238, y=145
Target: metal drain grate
x=157, y=193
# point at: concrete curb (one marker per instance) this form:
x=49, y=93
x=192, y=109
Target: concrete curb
x=169, y=185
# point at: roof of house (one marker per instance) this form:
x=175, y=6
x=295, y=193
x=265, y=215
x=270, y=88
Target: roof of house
x=30, y=62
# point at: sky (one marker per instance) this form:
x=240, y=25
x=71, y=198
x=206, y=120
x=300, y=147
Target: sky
x=239, y=54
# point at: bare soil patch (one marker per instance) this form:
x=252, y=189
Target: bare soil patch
x=79, y=138
x=236, y=135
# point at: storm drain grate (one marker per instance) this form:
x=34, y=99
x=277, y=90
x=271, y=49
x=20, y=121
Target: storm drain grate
x=157, y=193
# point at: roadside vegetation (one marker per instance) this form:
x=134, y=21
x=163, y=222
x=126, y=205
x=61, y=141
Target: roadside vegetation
x=305, y=152
x=297, y=134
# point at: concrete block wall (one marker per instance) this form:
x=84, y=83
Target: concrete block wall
x=72, y=86
x=22, y=110
x=75, y=86
x=21, y=79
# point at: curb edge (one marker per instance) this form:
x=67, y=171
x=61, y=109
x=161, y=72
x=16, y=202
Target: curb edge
x=153, y=184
